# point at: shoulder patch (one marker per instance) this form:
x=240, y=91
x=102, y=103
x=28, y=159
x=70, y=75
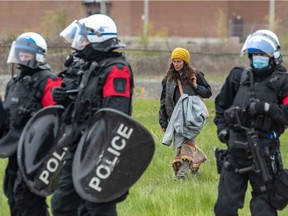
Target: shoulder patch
x=118, y=82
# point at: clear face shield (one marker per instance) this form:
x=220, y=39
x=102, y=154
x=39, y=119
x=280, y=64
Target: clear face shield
x=259, y=43
x=244, y=48
x=76, y=35
x=25, y=54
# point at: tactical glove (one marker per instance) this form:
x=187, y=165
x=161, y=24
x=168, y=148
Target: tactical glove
x=258, y=107
x=60, y=96
x=223, y=135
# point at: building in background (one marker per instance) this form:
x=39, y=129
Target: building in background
x=208, y=19
x=96, y=6
x=45, y=17
x=193, y=19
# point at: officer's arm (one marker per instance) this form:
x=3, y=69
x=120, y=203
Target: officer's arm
x=47, y=99
x=277, y=112
x=226, y=97
x=117, y=89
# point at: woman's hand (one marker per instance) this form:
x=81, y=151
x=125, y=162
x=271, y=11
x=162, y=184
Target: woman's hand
x=194, y=81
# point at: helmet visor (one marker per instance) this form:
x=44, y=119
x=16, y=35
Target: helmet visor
x=260, y=45
x=68, y=33
x=244, y=48
x=24, y=54
x=76, y=35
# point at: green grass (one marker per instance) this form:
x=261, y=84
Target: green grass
x=157, y=193
x=4, y=209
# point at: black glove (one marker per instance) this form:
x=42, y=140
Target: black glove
x=69, y=60
x=60, y=96
x=223, y=135
x=258, y=107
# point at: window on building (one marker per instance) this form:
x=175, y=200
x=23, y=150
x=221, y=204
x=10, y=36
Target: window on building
x=96, y=7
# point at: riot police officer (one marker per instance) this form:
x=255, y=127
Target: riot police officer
x=107, y=81
x=253, y=103
x=26, y=93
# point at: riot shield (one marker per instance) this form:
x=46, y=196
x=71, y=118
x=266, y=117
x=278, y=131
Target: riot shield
x=113, y=153
x=39, y=157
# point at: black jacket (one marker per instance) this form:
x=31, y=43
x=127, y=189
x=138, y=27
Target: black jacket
x=274, y=81
x=170, y=95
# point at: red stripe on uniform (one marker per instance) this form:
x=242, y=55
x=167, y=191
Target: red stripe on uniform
x=285, y=100
x=47, y=99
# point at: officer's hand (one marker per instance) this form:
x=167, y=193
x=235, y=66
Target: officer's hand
x=60, y=95
x=223, y=135
x=258, y=107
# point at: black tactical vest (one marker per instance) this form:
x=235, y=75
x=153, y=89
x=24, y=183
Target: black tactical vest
x=89, y=98
x=22, y=100
x=267, y=90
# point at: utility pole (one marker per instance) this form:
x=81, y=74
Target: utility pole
x=271, y=15
x=103, y=9
x=146, y=16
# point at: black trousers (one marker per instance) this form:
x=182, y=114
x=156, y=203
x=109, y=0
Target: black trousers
x=66, y=202
x=22, y=201
x=231, y=194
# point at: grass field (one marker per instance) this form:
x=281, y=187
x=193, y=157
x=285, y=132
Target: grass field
x=157, y=193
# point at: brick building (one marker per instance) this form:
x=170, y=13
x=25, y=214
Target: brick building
x=198, y=18
x=195, y=19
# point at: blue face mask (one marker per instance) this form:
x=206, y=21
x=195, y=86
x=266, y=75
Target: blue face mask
x=260, y=62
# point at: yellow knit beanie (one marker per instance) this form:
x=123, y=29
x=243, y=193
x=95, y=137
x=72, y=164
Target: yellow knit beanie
x=181, y=53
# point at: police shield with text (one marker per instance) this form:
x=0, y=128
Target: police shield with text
x=251, y=115
x=39, y=158
x=116, y=142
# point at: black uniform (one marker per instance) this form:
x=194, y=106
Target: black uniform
x=240, y=88
x=108, y=82
x=25, y=94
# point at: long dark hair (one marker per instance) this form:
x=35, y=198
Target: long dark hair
x=187, y=70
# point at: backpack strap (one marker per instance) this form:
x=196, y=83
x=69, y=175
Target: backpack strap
x=244, y=75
